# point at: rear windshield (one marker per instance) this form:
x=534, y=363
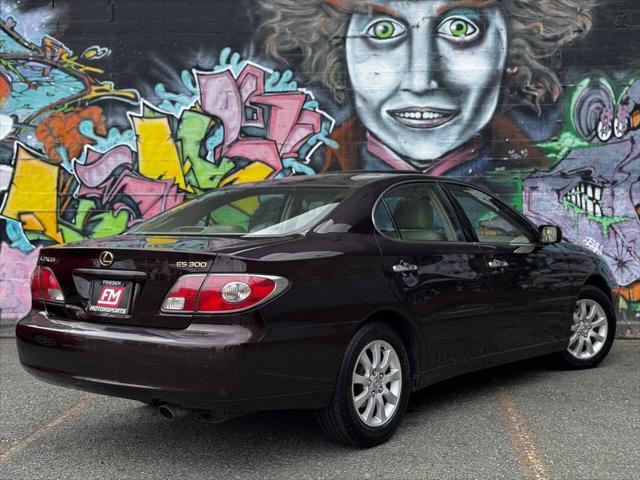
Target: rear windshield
x=250, y=212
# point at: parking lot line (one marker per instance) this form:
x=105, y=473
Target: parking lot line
x=521, y=439
x=22, y=443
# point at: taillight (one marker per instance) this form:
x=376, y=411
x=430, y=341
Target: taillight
x=45, y=286
x=183, y=297
x=221, y=292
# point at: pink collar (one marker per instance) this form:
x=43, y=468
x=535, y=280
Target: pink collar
x=462, y=154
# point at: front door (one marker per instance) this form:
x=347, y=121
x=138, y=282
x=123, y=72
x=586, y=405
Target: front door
x=434, y=271
x=531, y=299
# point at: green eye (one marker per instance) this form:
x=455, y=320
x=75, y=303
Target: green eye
x=384, y=29
x=458, y=29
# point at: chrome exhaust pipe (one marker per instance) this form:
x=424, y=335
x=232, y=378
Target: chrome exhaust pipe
x=173, y=412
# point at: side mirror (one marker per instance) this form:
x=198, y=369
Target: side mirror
x=550, y=234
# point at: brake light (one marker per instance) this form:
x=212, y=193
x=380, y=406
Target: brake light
x=221, y=293
x=45, y=286
x=183, y=297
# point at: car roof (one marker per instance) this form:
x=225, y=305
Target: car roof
x=347, y=178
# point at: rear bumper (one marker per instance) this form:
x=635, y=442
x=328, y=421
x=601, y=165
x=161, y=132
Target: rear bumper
x=216, y=367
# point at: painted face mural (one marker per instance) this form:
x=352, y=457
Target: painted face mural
x=475, y=89
x=426, y=75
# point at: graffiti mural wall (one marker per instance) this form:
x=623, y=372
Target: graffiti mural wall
x=113, y=112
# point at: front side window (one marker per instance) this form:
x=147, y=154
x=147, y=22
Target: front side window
x=250, y=212
x=416, y=212
x=489, y=220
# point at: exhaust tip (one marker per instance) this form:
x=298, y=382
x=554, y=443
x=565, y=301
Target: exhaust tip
x=167, y=413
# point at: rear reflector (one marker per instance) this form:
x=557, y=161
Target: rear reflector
x=221, y=293
x=45, y=286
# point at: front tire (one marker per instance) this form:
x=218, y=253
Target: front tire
x=592, y=331
x=372, y=389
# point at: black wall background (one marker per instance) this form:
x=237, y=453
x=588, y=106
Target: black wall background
x=152, y=39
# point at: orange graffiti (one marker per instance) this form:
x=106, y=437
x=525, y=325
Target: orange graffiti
x=5, y=88
x=62, y=130
x=631, y=293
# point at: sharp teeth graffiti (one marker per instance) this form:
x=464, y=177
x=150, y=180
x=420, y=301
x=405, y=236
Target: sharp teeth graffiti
x=593, y=192
x=462, y=89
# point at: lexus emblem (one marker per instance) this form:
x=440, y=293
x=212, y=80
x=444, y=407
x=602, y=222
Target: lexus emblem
x=106, y=259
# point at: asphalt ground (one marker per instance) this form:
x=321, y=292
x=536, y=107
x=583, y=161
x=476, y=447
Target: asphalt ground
x=525, y=420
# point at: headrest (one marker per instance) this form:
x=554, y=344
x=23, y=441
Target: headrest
x=413, y=213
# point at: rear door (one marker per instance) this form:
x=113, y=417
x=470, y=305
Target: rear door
x=529, y=289
x=433, y=270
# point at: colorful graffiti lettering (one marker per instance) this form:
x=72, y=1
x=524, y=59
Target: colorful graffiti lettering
x=169, y=158
x=73, y=178
x=45, y=78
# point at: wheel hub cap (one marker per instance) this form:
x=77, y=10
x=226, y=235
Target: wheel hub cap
x=589, y=330
x=377, y=383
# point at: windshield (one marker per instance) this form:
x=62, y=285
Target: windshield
x=249, y=212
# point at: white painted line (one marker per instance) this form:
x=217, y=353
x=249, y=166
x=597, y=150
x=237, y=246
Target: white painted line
x=19, y=445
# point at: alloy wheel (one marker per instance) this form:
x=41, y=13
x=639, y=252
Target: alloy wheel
x=377, y=383
x=589, y=330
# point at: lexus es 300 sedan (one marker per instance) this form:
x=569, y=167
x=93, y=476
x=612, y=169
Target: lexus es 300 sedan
x=341, y=293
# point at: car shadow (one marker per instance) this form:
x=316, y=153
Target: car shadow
x=297, y=428
x=480, y=383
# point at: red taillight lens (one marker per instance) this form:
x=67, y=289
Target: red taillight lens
x=36, y=290
x=183, y=297
x=45, y=286
x=221, y=293
x=228, y=293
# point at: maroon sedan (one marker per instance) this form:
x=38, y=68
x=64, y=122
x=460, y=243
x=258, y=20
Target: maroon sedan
x=340, y=293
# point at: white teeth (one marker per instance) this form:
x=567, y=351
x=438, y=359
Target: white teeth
x=420, y=115
x=587, y=197
x=597, y=211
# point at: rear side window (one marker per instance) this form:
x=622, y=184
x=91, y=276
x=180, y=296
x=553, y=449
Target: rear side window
x=260, y=211
x=416, y=212
x=491, y=222
x=384, y=222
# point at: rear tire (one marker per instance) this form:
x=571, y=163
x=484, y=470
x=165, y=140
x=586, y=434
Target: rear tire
x=592, y=331
x=372, y=389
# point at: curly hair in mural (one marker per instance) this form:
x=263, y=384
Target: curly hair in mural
x=537, y=31
x=475, y=54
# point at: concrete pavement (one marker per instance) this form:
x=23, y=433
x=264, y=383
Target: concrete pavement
x=525, y=420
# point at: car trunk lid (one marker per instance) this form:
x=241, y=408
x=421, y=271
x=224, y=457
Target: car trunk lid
x=124, y=280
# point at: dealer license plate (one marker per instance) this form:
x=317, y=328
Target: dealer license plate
x=110, y=296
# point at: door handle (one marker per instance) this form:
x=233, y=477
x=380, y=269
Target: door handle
x=404, y=267
x=498, y=264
